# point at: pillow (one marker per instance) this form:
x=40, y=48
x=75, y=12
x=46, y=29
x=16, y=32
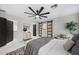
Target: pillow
x=75, y=49
x=75, y=38
x=68, y=44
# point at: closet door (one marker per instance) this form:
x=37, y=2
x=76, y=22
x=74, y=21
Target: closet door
x=40, y=29
x=49, y=29
x=44, y=29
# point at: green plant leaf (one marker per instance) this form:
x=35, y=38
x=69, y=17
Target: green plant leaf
x=71, y=26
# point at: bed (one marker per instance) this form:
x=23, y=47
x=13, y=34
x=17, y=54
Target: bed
x=50, y=46
x=41, y=46
x=46, y=46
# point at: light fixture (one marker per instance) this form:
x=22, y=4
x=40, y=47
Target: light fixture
x=37, y=13
x=37, y=16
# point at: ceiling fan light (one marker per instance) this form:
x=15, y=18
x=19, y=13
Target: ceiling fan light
x=37, y=16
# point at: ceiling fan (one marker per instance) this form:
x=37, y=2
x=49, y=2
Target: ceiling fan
x=37, y=13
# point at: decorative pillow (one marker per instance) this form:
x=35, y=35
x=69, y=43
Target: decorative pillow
x=68, y=44
x=75, y=38
x=75, y=49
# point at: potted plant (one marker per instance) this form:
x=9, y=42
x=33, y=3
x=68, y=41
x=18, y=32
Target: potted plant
x=71, y=26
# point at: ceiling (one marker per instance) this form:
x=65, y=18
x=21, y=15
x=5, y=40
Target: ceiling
x=19, y=9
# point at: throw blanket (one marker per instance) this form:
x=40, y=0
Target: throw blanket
x=33, y=46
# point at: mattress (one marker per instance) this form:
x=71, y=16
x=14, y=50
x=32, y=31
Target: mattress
x=54, y=47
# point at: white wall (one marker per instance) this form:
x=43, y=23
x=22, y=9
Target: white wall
x=60, y=22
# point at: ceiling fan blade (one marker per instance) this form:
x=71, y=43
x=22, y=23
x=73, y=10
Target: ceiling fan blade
x=55, y=5
x=40, y=18
x=44, y=16
x=32, y=10
x=45, y=13
x=41, y=9
x=29, y=13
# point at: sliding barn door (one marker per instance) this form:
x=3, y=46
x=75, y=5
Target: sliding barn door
x=40, y=29
x=46, y=29
x=49, y=29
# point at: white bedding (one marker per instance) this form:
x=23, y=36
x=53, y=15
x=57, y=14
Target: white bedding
x=54, y=47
